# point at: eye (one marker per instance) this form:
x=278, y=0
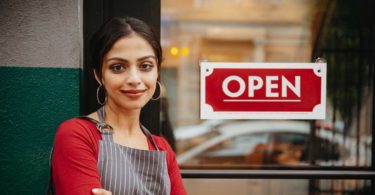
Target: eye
x=146, y=66
x=117, y=67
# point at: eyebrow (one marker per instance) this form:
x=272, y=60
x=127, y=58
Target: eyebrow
x=125, y=60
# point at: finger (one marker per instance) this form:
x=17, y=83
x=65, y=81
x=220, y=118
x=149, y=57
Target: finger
x=99, y=191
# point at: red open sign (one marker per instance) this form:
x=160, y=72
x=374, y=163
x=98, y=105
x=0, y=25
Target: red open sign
x=263, y=90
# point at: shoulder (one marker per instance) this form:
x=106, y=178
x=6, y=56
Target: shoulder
x=75, y=125
x=77, y=128
x=162, y=143
x=75, y=155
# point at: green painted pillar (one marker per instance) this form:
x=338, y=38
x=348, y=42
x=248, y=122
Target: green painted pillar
x=40, y=72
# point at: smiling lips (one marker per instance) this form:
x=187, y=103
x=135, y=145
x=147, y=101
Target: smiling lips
x=134, y=93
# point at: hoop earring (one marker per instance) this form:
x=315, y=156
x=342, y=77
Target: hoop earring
x=97, y=96
x=159, y=92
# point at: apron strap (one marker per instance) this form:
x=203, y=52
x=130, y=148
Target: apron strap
x=101, y=114
x=149, y=136
x=107, y=131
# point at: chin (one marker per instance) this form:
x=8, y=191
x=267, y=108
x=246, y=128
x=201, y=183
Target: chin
x=133, y=106
x=130, y=105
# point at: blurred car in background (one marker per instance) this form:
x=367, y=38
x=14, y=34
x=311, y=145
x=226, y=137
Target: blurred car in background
x=192, y=135
x=263, y=143
x=190, y=131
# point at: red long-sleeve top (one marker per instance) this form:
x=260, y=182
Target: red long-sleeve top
x=75, y=157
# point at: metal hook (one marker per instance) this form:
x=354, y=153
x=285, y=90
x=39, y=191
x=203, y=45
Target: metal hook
x=320, y=60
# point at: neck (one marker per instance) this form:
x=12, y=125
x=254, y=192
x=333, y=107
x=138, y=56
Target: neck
x=124, y=121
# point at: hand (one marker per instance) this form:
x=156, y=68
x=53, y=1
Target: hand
x=98, y=191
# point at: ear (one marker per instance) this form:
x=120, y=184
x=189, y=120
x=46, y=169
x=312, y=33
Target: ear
x=97, y=78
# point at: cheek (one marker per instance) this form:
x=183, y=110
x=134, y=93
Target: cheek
x=151, y=79
x=151, y=83
x=112, y=83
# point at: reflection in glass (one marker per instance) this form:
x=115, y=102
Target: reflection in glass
x=272, y=31
x=267, y=143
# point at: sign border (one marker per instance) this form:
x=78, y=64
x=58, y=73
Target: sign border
x=206, y=111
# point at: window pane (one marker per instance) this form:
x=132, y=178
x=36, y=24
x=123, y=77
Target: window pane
x=271, y=31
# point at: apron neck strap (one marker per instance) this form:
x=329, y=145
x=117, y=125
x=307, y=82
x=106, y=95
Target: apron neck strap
x=149, y=136
x=101, y=114
x=107, y=131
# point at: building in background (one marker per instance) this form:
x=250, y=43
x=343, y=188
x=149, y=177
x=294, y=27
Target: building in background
x=228, y=31
x=342, y=32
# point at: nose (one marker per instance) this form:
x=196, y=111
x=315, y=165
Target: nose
x=134, y=78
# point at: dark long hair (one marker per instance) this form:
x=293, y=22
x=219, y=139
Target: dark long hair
x=114, y=29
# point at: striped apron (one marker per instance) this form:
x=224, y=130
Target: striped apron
x=125, y=170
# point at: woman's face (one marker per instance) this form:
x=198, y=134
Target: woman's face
x=129, y=72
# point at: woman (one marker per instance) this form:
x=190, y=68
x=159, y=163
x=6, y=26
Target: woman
x=109, y=151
